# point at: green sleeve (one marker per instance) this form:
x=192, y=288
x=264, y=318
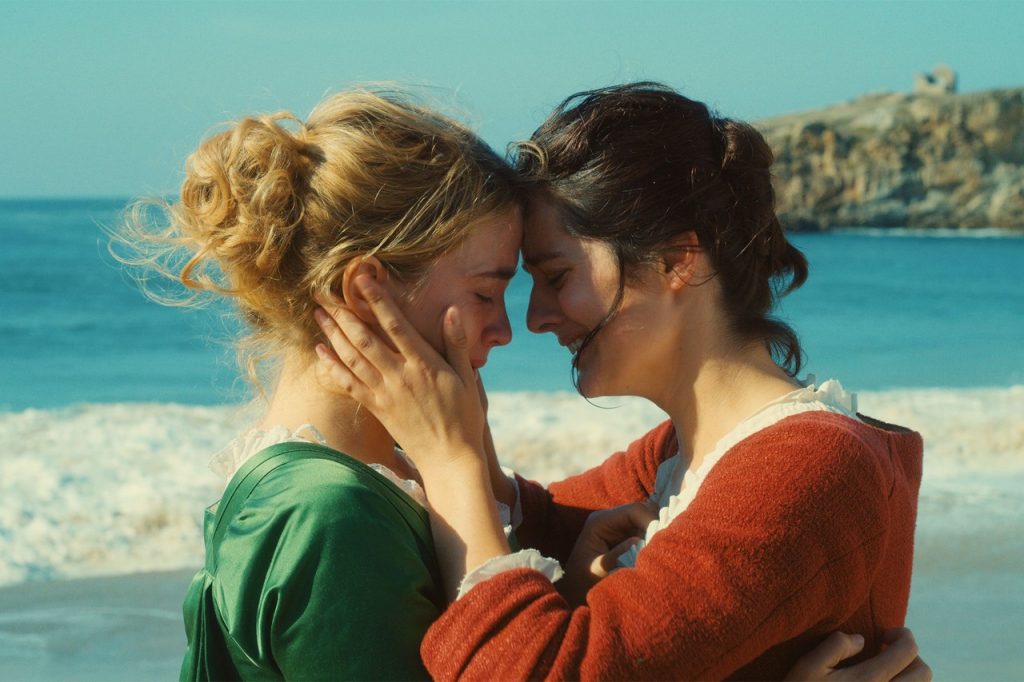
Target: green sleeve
x=330, y=580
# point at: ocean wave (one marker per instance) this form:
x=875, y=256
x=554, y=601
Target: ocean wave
x=99, y=489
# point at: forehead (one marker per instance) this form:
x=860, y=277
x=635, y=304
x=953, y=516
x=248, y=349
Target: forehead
x=544, y=233
x=493, y=243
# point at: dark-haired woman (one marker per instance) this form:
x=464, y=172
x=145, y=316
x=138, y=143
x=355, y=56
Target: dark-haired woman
x=782, y=513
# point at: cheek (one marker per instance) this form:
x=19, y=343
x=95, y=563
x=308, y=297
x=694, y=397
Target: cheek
x=582, y=305
x=428, y=322
x=476, y=320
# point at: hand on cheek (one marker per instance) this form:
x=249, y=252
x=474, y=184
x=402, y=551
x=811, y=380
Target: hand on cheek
x=429, y=405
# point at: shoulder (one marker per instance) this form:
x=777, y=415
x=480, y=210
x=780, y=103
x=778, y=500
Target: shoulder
x=821, y=481
x=656, y=445
x=329, y=498
x=319, y=512
x=828, y=439
x=821, y=455
x=323, y=552
x=643, y=457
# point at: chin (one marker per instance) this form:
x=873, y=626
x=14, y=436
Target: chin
x=590, y=386
x=594, y=384
x=598, y=392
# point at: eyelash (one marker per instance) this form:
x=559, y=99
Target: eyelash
x=556, y=280
x=484, y=299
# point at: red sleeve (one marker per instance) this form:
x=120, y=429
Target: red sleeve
x=782, y=539
x=553, y=517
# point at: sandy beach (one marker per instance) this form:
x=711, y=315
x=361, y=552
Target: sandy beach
x=112, y=628
x=129, y=627
x=67, y=618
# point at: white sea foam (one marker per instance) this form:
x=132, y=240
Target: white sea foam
x=113, y=488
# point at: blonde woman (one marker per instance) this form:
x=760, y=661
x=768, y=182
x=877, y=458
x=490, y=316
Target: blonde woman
x=320, y=562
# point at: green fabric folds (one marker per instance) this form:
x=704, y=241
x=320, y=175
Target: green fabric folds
x=316, y=567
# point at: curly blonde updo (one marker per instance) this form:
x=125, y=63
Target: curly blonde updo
x=272, y=209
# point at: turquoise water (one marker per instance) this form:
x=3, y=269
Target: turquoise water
x=84, y=484
x=880, y=310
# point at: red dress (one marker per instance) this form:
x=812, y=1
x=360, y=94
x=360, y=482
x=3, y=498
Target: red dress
x=803, y=528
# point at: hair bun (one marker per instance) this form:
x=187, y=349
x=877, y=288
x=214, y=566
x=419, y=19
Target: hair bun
x=244, y=192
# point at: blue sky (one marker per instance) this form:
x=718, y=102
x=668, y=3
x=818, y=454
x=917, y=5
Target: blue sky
x=108, y=98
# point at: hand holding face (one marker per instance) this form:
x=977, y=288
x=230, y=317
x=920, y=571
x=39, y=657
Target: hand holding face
x=430, y=406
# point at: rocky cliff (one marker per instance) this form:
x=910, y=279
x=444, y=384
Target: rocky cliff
x=902, y=160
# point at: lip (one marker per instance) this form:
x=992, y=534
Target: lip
x=571, y=343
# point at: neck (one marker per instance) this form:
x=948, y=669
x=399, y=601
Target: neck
x=299, y=398
x=717, y=393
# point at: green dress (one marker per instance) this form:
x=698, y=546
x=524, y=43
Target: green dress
x=317, y=567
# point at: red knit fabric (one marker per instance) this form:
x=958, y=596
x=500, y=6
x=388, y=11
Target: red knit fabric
x=803, y=528
x=553, y=518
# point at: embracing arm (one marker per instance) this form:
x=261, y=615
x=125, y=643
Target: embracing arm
x=774, y=549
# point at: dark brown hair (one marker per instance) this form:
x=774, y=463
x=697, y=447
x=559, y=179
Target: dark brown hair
x=638, y=165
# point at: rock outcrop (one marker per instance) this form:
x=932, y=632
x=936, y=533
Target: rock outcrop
x=902, y=160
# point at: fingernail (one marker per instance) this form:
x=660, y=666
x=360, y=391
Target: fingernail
x=321, y=351
x=320, y=315
x=858, y=640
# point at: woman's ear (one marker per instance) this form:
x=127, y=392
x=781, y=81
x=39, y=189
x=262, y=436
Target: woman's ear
x=681, y=260
x=367, y=266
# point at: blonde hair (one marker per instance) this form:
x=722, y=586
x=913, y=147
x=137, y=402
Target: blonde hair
x=272, y=209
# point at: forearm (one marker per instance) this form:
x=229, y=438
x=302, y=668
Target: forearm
x=501, y=485
x=464, y=520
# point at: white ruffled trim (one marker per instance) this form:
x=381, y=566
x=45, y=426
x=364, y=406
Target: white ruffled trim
x=526, y=558
x=234, y=455
x=231, y=458
x=676, y=486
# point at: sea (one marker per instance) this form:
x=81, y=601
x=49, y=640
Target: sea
x=110, y=406
x=882, y=309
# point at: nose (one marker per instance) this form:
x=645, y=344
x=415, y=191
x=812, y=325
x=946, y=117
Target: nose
x=542, y=315
x=499, y=331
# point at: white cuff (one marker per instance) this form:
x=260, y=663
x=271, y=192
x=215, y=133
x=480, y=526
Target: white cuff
x=526, y=558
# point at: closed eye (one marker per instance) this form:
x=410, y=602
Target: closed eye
x=556, y=279
x=484, y=299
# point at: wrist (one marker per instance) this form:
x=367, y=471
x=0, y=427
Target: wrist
x=464, y=519
x=462, y=467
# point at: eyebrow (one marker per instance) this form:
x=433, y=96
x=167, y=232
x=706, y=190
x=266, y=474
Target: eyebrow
x=503, y=274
